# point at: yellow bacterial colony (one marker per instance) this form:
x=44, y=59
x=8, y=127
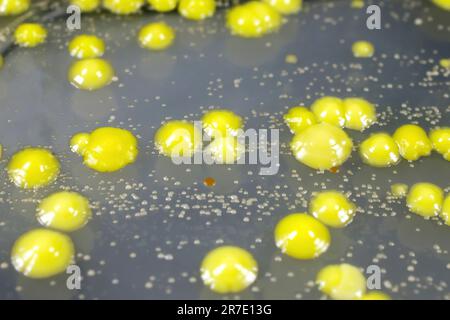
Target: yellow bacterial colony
x=425, y=199
x=197, y=9
x=224, y=150
x=13, y=7
x=375, y=295
x=178, y=139
x=286, y=6
x=445, y=213
x=86, y=5
x=299, y=118
x=33, y=168
x=86, y=47
x=333, y=209
x=412, y=142
x=91, y=74
x=253, y=19
x=322, y=146
x=106, y=149
x=379, y=150
x=221, y=123
x=123, y=6
x=330, y=110
x=42, y=253
x=399, y=190
x=342, y=282
x=440, y=139
x=65, y=211
x=30, y=35
x=301, y=236
x=444, y=4
x=156, y=36
x=228, y=269
x=363, y=49
x=359, y=114
x=163, y=5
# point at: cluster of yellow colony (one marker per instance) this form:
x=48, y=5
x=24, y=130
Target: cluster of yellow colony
x=86, y=47
x=332, y=208
x=253, y=19
x=444, y=4
x=228, y=269
x=379, y=150
x=163, y=5
x=123, y=7
x=322, y=146
x=440, y=140
x=42, y=253
x=86, y=5
x=156, y=36
x=286, y=6
x=106, y=149
x=33, y=168
x=346, y=282
x=65, y=211
x=301, y=236
x=363, y=49
x=30, y=35
x=91, y=74
x=13, y=7
x=177, y=139
x=197, y=9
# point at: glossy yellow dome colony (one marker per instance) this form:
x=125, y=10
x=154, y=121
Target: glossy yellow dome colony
x=224, y=150
x=445, y=213
x=42, y=253
x=106, y=149
x=228, y=269
x=322, y=146
x=30, y=35
x=91, y=74
x=440, y=139
x=342, y=282
x=163, y=5
x=197, y=9
x=156, y=36
x=253, y=19
x=363, y=49
x=379, y=150
x=221, y=123
x=299, y=118
x=123, y=6
x=412, y=142
x=444, y=4
x=425, y=199
x=33, y=168
x=332, y=208
x=13, y=7
x=359, y=114
x=330, y=110
x=65, y=211
x=301, y=236
x=178, y=139
x=286, y=6
x=399, y=190
x=86, y=5
x=375, y=295
x=86, y=47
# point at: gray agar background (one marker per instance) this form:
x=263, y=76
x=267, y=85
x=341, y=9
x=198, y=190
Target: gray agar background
x=154, y=221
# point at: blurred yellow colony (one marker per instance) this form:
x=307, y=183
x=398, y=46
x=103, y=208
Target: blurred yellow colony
x=33, y=168
x=228, y=269
x=224, y=150
x=30, y=35
x=330, y=110
x=375, y=295
x=332, y=208
x=412, y=142
x=399, y=190
x=286, y=6
x=1, y=61
x=379, y=150
x=91, y=74
x=156, y=36
x=86, y=47
x=123, y=6
x=253, y=19
x=299, y=118
x=65, y=211
x=440, y=139
x=221, y=123
x=425, y=199
x=197, y=9
x=322, y=146
x=444, y=4
x=342, y=282
x=178, y=139
x=42, y=253
x=301, y=236
x=106, y=149
x=13, y=7
x=363, y=49
x=163, y=5
x=359, y=114
x=86, y=5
